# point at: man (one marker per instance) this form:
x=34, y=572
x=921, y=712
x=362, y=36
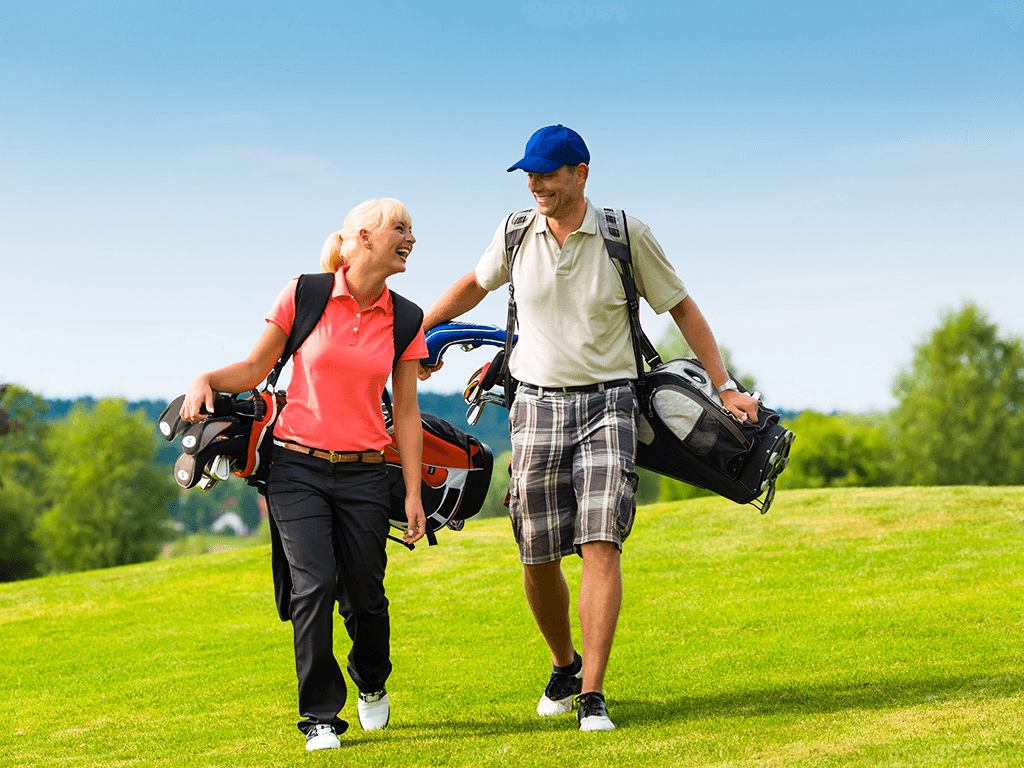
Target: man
x=573, y=420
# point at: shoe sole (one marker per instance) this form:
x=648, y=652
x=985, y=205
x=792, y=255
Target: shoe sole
x=547, y=707
x=596, y=724
x=311, y=746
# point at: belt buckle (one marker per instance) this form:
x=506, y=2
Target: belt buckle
x=336, y=458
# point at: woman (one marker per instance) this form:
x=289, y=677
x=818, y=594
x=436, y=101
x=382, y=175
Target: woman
x=331, y=507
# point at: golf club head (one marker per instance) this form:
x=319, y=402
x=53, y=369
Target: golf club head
x=219, y=468
x=473, y=413
x=206, y=482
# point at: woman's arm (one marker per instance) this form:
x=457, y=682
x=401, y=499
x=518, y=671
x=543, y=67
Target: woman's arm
x=409, y=436
x=236, y=377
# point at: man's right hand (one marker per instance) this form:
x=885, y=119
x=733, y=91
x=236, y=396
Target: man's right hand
x=426, y=371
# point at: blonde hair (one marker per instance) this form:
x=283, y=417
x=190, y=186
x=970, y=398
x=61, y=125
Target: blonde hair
x=371, y=215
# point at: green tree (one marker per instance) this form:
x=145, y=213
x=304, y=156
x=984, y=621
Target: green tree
x=22, y=472
x=960, y=412
x=836, y=451
x=677, y=490
x=672, y=346
x=648, y=489
x=196, y=510
x=108, y=501
x=494, y=503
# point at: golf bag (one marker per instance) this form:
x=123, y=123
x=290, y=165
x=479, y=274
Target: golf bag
x=456, y=474
x=685, y=431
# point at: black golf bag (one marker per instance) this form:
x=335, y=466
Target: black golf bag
x=686, y=433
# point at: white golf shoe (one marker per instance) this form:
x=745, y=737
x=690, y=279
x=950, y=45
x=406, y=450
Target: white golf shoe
x=374, y=710
x=322, y=736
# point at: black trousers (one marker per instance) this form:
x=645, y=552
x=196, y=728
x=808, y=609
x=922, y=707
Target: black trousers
x=333, y=523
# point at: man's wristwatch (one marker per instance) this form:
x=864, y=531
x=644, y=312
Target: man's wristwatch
x=729, y=385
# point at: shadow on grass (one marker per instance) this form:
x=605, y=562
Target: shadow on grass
x=767, y=702
x=868, y=695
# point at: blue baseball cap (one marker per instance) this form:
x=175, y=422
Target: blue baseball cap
x=552, y=147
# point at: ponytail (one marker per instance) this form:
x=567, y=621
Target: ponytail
x=331, y=258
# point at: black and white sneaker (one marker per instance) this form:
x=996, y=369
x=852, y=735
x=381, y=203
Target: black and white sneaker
x=558, y=695
x=593, y=712
x=322, y=736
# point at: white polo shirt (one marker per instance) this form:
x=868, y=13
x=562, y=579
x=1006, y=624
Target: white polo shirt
x=573, y=319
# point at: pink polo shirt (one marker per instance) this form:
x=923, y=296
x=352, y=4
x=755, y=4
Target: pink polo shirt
x=339, y=372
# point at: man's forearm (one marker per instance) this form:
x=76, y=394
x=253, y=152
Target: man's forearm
x=698, y=335
x=461, y=297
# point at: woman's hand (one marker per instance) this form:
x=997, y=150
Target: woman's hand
x=417, y=526
x=199, y=395
x=236, y=377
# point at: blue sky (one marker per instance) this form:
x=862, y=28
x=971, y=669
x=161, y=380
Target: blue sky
x=827, y=178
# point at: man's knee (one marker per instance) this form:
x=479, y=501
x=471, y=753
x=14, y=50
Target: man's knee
x=600, y=556
x=540, y=575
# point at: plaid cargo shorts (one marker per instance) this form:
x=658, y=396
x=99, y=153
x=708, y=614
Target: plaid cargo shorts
x=573, y=472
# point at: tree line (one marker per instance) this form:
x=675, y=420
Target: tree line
x=958, y=419
x=93, y=488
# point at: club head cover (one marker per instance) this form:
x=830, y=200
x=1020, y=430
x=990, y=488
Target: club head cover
x=170, y=422
x=186, y=472
x=492, y=371
x=202, y=433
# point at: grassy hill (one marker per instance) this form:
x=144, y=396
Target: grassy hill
x=848, y=627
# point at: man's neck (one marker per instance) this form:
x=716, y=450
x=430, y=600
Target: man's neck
x=564, y=226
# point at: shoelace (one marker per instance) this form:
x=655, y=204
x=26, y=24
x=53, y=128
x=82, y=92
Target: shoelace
x=590, y=705
x=372, y=698
x=321, y=729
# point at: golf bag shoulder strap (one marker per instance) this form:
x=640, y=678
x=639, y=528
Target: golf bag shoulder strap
x=516, y=226
x=312, y=292
x=408, y=321
x=615, y=231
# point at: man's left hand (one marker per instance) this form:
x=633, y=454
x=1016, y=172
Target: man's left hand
x=740, y=405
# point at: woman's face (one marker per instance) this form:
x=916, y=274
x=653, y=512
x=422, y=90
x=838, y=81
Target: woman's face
x=391, y=245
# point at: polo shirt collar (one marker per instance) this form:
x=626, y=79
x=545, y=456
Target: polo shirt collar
x=588, y=227
x=341, y=292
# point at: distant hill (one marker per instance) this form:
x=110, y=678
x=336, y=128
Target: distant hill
x=491, y=429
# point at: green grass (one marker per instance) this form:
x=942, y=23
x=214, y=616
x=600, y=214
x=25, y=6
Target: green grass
x=848, y=627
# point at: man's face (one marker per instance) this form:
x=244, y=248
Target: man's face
x=557, y=192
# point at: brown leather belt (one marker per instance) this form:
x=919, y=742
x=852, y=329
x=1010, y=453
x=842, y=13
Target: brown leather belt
x=335, y=457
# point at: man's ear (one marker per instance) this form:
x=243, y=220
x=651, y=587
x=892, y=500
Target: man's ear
x=582, y=172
